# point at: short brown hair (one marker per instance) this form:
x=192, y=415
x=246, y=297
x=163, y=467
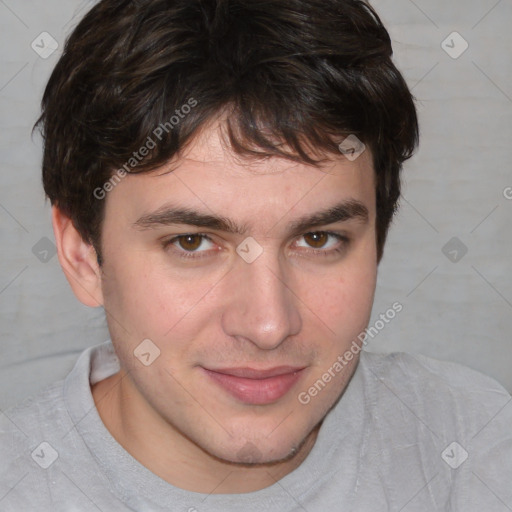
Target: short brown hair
x=291, y=74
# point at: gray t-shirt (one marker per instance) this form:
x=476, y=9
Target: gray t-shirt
x=409, y=434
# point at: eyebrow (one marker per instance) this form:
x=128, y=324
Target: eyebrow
x=341, y=212
x=166, y=216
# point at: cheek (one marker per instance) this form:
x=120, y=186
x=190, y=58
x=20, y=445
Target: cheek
x=341, y=310
x=342, y=301
x=145, y=300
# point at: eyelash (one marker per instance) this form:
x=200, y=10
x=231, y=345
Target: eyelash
x=197, y=255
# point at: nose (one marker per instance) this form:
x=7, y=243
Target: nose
x=262, y=308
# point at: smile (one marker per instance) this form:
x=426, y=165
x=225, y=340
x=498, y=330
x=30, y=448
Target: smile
x=256, y=387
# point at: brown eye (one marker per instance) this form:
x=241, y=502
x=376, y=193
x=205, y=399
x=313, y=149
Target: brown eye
x=190, y=242
x=190, y=245
x=316, y=240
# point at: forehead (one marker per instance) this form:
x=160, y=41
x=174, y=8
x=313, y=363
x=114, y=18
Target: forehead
x=210, y=177
x=211, y=146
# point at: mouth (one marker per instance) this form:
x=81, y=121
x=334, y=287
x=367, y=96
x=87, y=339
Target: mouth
x=256, y=387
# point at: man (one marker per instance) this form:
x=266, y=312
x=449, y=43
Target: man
x=223, y=175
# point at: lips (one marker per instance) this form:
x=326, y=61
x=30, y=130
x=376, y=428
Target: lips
x=254, y=386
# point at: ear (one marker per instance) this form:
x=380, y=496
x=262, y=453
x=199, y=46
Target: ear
x=78, y=260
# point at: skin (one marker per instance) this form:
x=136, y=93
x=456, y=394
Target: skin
x=294, y=305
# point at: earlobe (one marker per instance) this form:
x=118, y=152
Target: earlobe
x=78, y=260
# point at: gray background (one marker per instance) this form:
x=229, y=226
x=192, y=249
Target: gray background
x=456, y=186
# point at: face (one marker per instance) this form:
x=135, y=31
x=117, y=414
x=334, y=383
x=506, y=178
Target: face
x=250, y=278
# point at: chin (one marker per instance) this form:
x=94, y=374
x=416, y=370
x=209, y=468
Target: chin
x=252, y=454
x=253, y=449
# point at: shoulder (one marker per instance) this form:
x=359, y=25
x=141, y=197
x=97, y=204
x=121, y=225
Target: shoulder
x=28, y=432
x=37, y=414
x=425, y=374
x=446, y=398
x=436, y=418
x=42, y=438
